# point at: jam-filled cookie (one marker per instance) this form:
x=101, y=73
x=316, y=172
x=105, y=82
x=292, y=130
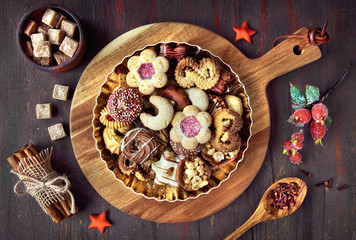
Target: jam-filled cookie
x=147, y=71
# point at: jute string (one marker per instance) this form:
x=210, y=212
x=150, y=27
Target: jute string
x=41, y=181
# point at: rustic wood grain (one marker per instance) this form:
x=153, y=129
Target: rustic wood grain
x=254, y=74
x=323, y=215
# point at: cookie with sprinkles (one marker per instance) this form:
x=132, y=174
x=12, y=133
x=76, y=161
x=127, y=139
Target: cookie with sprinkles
x=125, y=104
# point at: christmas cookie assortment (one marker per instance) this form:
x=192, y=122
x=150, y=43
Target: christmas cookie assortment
x=172, y=121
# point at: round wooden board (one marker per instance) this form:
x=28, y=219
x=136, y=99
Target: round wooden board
x=254, y=74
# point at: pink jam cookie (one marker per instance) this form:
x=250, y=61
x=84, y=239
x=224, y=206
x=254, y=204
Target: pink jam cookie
x=125, y=104
x=179, y=149
x=147, y=71
x=191, y=127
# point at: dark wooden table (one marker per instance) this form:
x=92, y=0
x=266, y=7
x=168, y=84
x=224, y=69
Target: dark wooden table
x=323, y=215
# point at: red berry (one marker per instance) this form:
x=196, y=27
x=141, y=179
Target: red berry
x=287, y=145
x=298, y=136
x=317, y=131
x=297, y=145
x=319, y=112
x=301, y=116
x=295, y=158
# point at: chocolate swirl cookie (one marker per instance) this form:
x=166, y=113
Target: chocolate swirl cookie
x=139, y=145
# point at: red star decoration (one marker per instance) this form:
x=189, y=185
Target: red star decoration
x=99, y=222
x=244, y=32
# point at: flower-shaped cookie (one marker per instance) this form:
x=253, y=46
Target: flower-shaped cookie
x=191, y=127
x=147, y=71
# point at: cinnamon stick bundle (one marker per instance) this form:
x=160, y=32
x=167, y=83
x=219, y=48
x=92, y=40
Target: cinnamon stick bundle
x=49, y=189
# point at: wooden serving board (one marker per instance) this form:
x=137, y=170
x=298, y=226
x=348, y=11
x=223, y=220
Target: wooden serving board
x=254, y=74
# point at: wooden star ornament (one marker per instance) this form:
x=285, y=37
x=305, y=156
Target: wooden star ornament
x=244, y=32
x=99, y=222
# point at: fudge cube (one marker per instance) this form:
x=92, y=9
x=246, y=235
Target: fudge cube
x=69, y=46
x=44, y=61
x=59, y=23
x=50, y=17
x=28, y=48
x=38, y=38
x=43, y=28
x=69, y=27
x=60, y=92
x=42, y=49
x=56, y=131
x=30, y=28
x=60, y=57
x=56, y=36
x=44, y=111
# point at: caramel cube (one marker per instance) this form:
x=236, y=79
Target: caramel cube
x=43, y=28
x=69, y=46
x=69, y=27
x=30, y=28
x=60, y=92
x=44, y=111
x=60, y=57
x=55, y=36
x=50, y=17
x=56, y=131
x=44, y=61
x=59, y=23
x=37, y=38
x=28, y=48
x=42, y=49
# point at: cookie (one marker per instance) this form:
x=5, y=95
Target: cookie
x=112, y=140
x=108, y=121
x=126, y=166
x=216, y=103
x=198, y=98
x=139, y=145
x=227, y=123
x=180, y=150
x=164, y=116
x=234, y=103
x=191, y=127
x=176, y=94
x=204, y=74
x=193, y=173
x=125, y=104
x=166, y=168
x=216, y=158
x=147, y=71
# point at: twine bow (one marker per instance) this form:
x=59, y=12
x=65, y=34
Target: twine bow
x=33, y=186
x=315, y=36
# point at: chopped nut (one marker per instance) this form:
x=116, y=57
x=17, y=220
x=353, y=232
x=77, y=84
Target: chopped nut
x=218, y=156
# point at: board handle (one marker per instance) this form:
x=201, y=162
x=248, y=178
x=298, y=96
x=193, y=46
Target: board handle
x=282, y=59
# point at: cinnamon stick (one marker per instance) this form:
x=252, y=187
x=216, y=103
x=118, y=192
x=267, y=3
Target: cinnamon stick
x=14, y=162
x=60, y=209
x=53, y=213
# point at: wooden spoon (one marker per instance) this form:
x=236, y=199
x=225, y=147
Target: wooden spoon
x=264, y=212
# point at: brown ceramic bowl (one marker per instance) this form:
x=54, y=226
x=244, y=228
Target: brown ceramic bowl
x=36, y=15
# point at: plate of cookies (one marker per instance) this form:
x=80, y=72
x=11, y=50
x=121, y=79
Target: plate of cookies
x=172, y=121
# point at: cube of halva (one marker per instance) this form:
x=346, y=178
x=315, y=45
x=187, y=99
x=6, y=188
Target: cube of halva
x=37, y=38
x=50, y=17
x=44, y=61
x=60, y=57
x=55, y=36
x=43, y=28
x=69, y=27
x=69, y=46
x=28, y=48
x=60, y=92
x=43, y=49
x=30, y=28
x=56, y=131
x=44, y=111
x=59, y=23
